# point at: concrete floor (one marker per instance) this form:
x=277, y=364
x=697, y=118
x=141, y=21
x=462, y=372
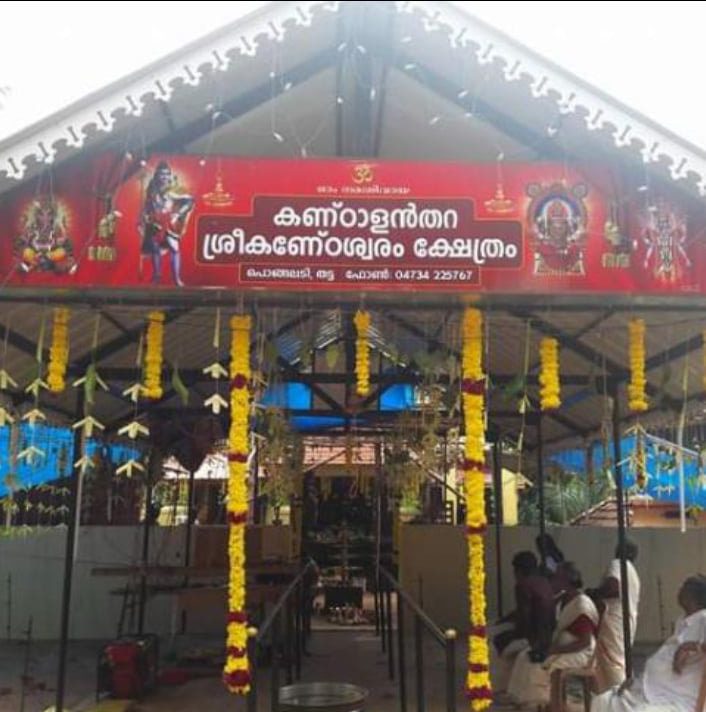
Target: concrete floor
x=346, y=656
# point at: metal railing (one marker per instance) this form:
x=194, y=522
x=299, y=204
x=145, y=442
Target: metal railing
x=386, y=583
x=283, y=633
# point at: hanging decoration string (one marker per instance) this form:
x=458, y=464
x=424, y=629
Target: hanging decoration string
x=362, y=352
x=524, y=399
x=59, y=350
x=478, y=688
x=236, y=673
x=549, y=387
x=637, y=400
x=216, y=402
x=680, y=443
x=152, y=388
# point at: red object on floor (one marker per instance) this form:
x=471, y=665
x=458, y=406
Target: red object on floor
x=124, y=659
x=127, y=667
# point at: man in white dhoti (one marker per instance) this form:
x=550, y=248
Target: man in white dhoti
x=610, y=648
x=673, y=675
x=572, y=646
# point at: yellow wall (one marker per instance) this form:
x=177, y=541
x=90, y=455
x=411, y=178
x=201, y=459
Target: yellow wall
x=509, y=498
x=438, y=555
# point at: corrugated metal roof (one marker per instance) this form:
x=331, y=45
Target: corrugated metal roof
x=592, y=343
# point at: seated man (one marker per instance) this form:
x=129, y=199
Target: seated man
x=573, y=643
x=610, y=648
x=673, y=674
x=532, y=620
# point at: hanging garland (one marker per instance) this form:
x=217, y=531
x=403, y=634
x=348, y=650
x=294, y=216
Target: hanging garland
x=152, y=388
x=59, y=350
x=640, y=461
x=362, y=352
x=637, y=400
x=478, y=679
x=236, y=673
x=549, y=392
x=703, y=355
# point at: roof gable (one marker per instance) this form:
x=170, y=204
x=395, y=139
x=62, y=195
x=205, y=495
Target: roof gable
x=316, y=35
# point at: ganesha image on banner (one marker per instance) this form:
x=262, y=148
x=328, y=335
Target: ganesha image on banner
x=557, y=220
x=43, y=244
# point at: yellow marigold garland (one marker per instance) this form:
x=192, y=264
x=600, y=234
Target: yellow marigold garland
x=236, y=673
x=549, y=391
x=637, y=400
x=362, y=352
x=478, y=688
x=59, y=350
x=152, y=388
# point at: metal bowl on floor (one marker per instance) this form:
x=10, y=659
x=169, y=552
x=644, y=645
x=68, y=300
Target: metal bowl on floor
x=322, y=697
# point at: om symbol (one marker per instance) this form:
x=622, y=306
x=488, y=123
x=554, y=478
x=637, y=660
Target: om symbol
x=363, y=173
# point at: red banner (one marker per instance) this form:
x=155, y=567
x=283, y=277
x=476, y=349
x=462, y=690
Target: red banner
x=181, y=222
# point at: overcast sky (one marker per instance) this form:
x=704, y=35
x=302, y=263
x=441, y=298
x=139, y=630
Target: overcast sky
x=648, y=54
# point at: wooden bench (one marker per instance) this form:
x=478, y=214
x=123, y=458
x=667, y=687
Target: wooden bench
x=587, y=676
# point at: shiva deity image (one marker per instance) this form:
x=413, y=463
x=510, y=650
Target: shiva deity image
x=163, y=222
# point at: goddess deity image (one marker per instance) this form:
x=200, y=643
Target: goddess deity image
x=557, y=218
x=44, y=244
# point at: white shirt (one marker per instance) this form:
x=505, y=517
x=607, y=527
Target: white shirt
x=661, y=685
x=611, y=630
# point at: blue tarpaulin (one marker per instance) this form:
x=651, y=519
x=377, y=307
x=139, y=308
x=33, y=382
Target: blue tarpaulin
x=298, y=396
x=57, y=443
x=662, y=467
x=55, y=462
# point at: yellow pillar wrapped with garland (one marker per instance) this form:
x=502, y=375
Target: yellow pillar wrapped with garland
x=478, y=688
x=236, y=673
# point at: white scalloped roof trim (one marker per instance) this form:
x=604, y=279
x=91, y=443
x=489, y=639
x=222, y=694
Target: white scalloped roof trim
x=461, y=31
x=546, y=81
x=102, y=113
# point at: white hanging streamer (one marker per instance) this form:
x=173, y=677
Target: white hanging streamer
x=680, y=442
